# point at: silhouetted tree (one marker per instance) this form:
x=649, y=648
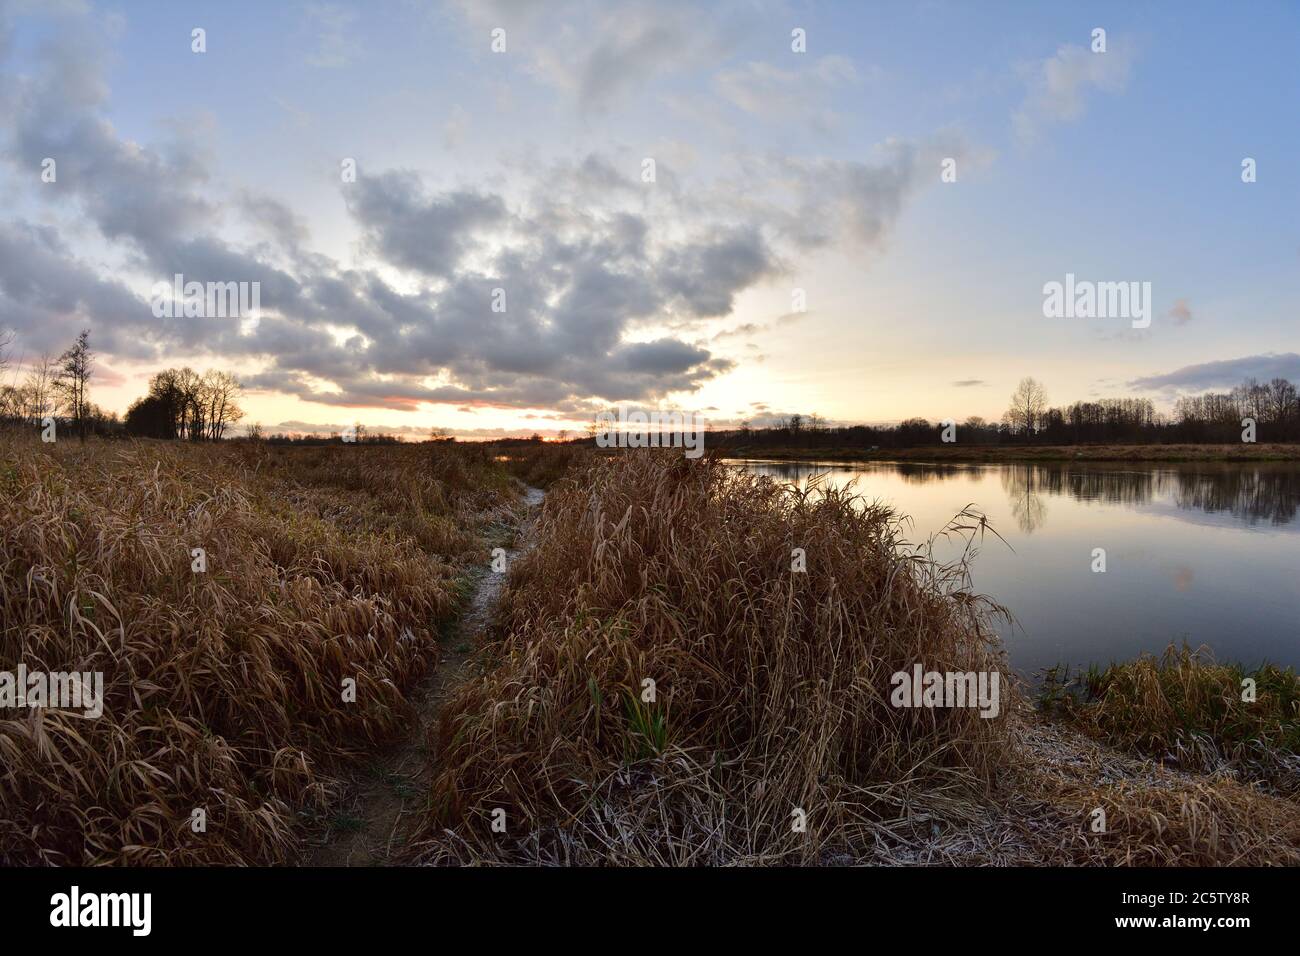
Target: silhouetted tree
x=1028, y=402
x=76, y=366
x=151, y=417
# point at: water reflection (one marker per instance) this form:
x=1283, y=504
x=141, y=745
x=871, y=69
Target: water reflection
x=1201, y=552
x=1252, y=494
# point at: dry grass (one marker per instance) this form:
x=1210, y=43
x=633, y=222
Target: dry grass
x=1045, y=813
x=1155, y=814
x=1188, y=710
x=223, y=689
x=541, y=465
x=771, y=686
x=772, y=695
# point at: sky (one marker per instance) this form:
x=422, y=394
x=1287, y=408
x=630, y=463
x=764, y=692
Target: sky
x=737, y=209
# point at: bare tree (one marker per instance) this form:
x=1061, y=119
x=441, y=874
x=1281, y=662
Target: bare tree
x=218, y=391
x=76, y=366
x=13, y=403
x=6, y=347
x=1282, y=400
x=38, y=388
x=1028, y=403
x=11, y=395
x=189, y=386
x=166, y=390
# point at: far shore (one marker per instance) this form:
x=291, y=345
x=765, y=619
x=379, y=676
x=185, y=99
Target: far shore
x=1007, y=453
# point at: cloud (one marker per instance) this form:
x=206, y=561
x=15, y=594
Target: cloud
x=620, y=48
x=429, y=234
x=1225, y=373
x=594, y=265
x=412, y=432
x=662, y=357
x=107, y=375
x=705, y=275
x=281, y=223
x=578, y=275
x=1059, y=86
x=296, y=427
x=625, y=55
x=744, y=329
x=575, y=283
x=49, y=296
x=860, y=201
x=765, y=89
x=969, y=383
x=1180, y=312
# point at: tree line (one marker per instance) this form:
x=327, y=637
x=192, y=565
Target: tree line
x=54, y=390
x=1212, y=417
x=180, y=404
x=183, y=404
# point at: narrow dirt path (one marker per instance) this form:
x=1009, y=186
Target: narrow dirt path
x=384, y=795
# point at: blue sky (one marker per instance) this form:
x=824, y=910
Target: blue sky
x=776, y=170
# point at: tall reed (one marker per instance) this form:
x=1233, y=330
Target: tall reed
x=770, y=736
x=224, y=720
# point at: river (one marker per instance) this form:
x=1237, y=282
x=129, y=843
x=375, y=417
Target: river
x=1207, y=553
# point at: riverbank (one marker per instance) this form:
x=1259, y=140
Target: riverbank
x=686, y=665
x=957, y=452
x=692, y=667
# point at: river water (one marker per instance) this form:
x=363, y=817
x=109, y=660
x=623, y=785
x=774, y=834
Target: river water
x=1206, y=553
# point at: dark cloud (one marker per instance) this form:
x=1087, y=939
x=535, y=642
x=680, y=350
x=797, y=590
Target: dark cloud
x=577, y=277
x=428, y=234
x=662, y=357
x=596, y=172
x=588, y=257
x=147, y=195
x=48, y=295
x=706, y=275
x=281, y=223
x=1225, y=373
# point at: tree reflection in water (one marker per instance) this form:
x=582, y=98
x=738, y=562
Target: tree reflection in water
x=1252, y=493
x=1024, y=486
